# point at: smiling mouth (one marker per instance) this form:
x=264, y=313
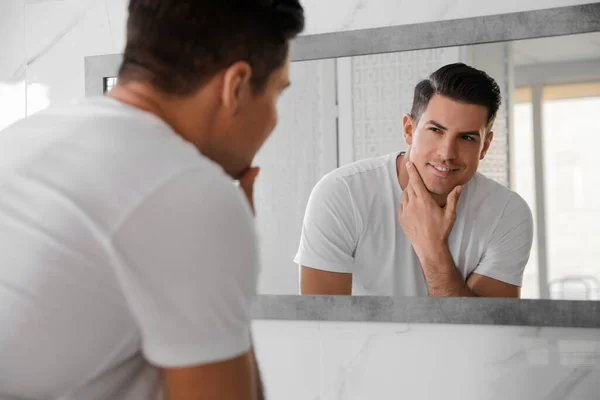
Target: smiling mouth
x=444, y=169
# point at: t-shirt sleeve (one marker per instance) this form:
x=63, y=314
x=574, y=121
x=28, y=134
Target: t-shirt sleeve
x=188, y=265
x=509, y=247
x=329, y=231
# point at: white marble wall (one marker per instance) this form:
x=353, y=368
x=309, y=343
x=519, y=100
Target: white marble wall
x=352, y=361
x=59, y=34
x=12, y=62
x=344, y=15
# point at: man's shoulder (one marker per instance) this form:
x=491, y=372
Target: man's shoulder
x=132, y=146
x=370, y=172
x=104, y=156
x=493, y=198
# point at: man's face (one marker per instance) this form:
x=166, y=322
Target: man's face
x=258, y=118
x=447, y=143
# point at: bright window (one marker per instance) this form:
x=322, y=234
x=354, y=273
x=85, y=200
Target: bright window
x=570, y=139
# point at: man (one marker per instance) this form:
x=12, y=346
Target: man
x=128, y=260
x=422, y=222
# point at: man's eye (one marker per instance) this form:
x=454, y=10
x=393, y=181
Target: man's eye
x=437, y=130
x=469, y=138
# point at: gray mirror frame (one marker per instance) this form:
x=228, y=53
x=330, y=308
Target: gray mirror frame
x=477, y=30
x=468, y=31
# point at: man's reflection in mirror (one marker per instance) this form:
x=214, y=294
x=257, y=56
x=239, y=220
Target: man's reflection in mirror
x=422, y=222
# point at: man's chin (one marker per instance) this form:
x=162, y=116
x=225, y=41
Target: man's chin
x=240, y=170
x=441, y=187
x=438, y=190
x=238, y=173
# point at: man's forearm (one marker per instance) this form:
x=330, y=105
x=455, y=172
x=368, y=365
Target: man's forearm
x=441, y=276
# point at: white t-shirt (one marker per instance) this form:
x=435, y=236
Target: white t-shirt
x=351, y=226
x=122, y=248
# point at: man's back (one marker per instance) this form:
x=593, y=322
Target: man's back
x=80, y=190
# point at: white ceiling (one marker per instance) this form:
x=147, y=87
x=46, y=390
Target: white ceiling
x=556, y=49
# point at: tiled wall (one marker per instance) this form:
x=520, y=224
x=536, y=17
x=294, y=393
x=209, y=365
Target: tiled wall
x=357, y=361
x=382, y=89
x=496, y=60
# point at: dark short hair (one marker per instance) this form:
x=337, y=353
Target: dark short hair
x=177, y=45
x=462, y=83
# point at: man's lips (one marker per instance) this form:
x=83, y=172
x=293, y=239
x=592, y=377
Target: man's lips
x=443, y=170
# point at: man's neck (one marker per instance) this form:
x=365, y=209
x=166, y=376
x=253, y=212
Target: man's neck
x=144, y=97
x=401, y=172
x=140, y=96
x=184, y=116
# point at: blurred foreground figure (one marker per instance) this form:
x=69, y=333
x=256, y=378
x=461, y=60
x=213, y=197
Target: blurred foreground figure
x=128, y=257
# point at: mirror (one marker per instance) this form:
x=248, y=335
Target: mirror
x=339, y=111
x=345, y=110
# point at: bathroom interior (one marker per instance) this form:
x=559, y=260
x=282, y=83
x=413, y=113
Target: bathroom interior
x=353, y=73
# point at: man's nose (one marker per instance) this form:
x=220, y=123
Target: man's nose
x=447, y=149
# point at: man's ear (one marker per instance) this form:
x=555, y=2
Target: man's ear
x=486, y=145
x=236, y=86
x=408, y=125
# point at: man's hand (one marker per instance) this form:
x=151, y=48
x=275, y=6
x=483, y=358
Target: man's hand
x=426, y=225
x=247, y=184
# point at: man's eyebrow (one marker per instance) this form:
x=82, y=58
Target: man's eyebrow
x=437, y=124
x=442, y=127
